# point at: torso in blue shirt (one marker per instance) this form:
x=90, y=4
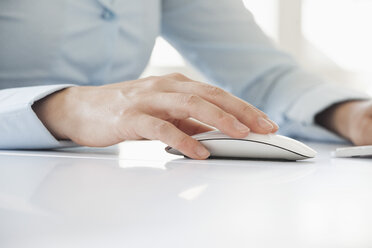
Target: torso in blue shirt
x=95, y=42
x=81, y=42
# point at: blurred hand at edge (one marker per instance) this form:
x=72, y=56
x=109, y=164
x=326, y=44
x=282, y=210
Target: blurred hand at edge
x=351, y=120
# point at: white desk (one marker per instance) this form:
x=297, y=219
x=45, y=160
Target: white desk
x=121, y=198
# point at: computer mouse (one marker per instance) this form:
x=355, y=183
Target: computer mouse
x=254, y=146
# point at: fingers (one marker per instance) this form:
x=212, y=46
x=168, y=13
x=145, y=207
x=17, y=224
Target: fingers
x=183, y=106
x=153, y=128
x=191, y=127
x=249, y=115
x=252, y=117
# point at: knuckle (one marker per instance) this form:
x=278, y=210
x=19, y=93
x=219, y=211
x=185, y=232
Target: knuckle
x=153, y=83
x=214, y=91
x=222, y=117
x=150, y=78
x=177, y=75
x=161, y=127
x=191, y=100
x=247, y=108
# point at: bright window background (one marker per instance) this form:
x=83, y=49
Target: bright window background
x=266, y=15
x=342, y=30
x=330, y=37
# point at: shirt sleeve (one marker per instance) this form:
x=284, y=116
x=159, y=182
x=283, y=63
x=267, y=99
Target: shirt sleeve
x=222, y=40
x=20, y=128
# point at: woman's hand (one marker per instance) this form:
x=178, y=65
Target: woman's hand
x=151, y=108
x=352, y=120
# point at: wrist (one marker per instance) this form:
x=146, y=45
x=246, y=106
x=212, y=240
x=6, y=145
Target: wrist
x=338, y=118
x=51, y=112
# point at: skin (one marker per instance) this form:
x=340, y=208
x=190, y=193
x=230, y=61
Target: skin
x=161, y=108
x=169, y=108
x=351, y=120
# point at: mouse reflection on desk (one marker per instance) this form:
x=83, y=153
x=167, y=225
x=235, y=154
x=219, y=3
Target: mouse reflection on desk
x=254, y=146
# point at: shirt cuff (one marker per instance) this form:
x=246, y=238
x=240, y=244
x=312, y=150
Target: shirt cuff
x=301, y=115
x=20, y=128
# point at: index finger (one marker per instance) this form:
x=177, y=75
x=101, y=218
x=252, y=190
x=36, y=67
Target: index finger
x=246, y=113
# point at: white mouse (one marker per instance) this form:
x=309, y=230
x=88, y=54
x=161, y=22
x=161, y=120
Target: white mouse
x=254, y=146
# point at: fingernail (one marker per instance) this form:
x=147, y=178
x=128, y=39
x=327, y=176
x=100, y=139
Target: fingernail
x=240, y=127
x=274, y=124
x=202, y=152
x=265, y=124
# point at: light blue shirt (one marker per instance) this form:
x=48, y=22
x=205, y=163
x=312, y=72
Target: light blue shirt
x=49, y=45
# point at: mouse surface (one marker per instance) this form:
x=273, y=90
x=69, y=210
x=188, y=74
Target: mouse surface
x=254, y=146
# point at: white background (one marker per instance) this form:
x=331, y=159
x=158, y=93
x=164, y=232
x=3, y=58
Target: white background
x=329, y=37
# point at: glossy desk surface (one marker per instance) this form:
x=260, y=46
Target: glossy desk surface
x=122, y=197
